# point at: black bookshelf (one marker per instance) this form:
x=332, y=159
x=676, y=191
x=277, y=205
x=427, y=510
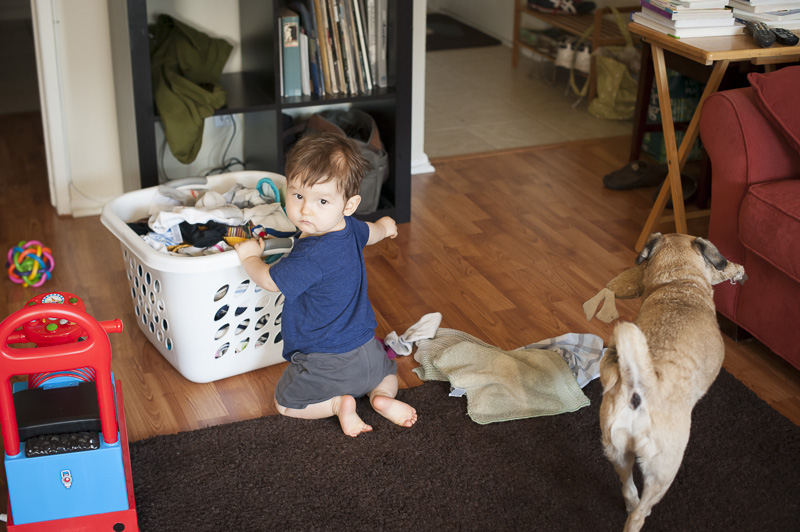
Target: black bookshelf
x=255, y=94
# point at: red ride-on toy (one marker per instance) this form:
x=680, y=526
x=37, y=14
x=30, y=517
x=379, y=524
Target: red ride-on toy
x=66, y=444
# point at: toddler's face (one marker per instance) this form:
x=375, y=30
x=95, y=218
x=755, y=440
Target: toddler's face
x=317, y=209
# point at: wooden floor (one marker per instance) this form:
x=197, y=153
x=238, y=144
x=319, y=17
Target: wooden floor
x=507, y=246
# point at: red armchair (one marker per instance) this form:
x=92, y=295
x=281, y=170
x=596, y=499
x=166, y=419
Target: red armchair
x=752, y=136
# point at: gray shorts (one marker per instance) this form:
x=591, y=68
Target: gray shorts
x=316, y=377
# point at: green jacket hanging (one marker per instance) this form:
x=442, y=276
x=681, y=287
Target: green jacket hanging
x=185, y=66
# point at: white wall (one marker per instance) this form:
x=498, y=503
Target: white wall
x=78, y=109
x=419, y=160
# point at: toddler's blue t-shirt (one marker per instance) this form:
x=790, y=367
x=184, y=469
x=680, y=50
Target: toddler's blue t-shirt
x=324, y=283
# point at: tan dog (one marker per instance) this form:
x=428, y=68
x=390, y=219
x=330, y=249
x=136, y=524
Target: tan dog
x=658, y=368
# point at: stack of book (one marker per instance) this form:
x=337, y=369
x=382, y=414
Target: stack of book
x=688, y=18
x=774, y=13
x=333, y=47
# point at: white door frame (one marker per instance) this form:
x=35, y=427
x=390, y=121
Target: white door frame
x=45, y=33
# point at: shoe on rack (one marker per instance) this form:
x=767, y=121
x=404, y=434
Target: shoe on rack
x=583, y=60
x=564, y=7
x=565, y=55
x=635, y=174
x=688, y=185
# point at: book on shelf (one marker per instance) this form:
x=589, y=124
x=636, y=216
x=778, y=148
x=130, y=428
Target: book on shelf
x=290, y=52
x=382, y=26
x=310, y=49
x=350, y=27
x=333, y=18
x=363, y=53
x=744, y=18
x=767, y=2
x=700, y=31
x=684, y=6
x=771, y=16
x=305, y=70
x=689, y=23
x=701, y=4
x=326, y=46
x=348, y=65
x=763, y=8
x=684, y=14
x=372, y=39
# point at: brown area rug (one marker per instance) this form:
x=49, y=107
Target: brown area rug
x=741, y=472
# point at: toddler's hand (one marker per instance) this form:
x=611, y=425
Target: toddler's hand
x=389, y=226
x=249, y=248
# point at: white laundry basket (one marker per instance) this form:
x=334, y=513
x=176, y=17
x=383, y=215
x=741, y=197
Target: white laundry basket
x=203, y=314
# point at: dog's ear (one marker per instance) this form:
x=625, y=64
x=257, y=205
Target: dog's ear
x=649, y=248
x=710, y=253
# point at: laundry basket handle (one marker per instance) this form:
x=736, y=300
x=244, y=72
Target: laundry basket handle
x=186, y=181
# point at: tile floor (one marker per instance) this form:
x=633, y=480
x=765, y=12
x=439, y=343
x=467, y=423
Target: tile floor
x=476, y=102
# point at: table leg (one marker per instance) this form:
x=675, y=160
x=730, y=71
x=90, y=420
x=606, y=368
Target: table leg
x=676, y=159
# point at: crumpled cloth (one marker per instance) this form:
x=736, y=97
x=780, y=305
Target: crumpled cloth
x=581, y=352
x=508, y=385
x=424, y=329
x=185, y=67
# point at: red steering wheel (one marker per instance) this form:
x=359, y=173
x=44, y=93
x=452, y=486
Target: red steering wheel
x=54, y=331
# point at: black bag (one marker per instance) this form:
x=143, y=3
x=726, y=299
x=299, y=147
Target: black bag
x=362, y=129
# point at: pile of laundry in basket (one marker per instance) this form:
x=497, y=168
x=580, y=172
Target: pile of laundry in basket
x=205, y=222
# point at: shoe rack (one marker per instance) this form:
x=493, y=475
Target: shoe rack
x=601, y=26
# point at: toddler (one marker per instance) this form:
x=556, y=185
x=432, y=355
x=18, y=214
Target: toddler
x=328, y=325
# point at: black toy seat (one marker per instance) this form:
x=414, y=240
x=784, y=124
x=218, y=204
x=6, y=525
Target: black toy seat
x=45, y=411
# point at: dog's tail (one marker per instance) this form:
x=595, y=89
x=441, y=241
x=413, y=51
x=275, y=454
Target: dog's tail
x=635, y=366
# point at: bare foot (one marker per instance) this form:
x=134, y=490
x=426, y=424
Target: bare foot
x=352, y=425
x=395, y=411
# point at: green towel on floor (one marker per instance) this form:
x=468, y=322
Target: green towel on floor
x=506, y=385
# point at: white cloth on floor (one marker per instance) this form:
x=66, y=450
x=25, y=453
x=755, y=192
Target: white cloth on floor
x=582, y=353
x=424, y=329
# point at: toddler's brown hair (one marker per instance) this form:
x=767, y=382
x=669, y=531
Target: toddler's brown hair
x=322, y=157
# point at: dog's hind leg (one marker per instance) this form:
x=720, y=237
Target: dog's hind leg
x=658, y=472
x=624, y=468
x=653, y=492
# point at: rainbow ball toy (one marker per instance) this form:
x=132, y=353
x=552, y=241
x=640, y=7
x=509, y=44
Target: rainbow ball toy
x=29, y=263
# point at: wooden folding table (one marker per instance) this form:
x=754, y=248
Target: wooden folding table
x=716, y=51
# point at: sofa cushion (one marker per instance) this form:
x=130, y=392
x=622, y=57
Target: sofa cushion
x=769, y=224
x=776, y=93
